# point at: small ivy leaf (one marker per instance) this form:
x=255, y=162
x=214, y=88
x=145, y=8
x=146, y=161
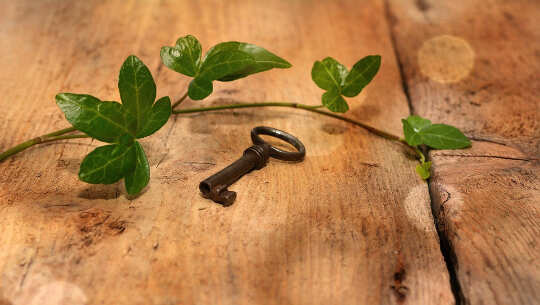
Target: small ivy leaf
x=199, y=88
x=411, y=136
x=423, y=169
x=418, y=123
x=107, y=164
x=158, y=116
x=442, y=136
x=184, y=57
x=334, y=101
x=329, y=74
x=360, y=75
x=263, y=60
x=411, y=129
x=105, y=121
x=137, y=89
x=138, y=179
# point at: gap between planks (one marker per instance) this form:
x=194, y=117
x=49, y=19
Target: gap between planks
x=444, y=244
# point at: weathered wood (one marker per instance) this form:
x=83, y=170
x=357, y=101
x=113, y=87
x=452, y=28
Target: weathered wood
x=475, y=64
x=349, y=225
x=495, y=98
x=488, y=207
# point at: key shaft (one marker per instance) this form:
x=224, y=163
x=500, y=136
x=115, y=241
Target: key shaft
x=215, y=186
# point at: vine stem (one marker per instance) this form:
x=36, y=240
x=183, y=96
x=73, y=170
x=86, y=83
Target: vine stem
x=59, y=134
x=39, y=140
x=315, y=109
x=179, y=101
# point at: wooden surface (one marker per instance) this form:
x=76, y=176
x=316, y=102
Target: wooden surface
x=352, y=224
x=487, y=198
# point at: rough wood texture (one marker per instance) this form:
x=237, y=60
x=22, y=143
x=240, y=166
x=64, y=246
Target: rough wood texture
x=476, y=64
x=488, y=208
x=349, y=225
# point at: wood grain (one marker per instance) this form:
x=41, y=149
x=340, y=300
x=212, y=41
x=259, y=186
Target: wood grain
x=494, y=100
x=488, y=208
x=349, y=225
x=486, y=198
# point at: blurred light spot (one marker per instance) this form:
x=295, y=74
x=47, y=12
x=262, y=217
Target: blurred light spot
x=446, y=59
x=417, y=209
x=56, y=293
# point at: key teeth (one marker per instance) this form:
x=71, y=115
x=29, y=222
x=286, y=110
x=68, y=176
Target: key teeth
x=219, y=194
x=227, y=197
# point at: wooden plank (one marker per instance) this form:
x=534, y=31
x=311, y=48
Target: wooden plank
x=489, y=210
x=474, y=64
x=349, y=225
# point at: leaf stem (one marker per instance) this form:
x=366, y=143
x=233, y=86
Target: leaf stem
x=420, y=154
x=53, y=136
x=179, y=101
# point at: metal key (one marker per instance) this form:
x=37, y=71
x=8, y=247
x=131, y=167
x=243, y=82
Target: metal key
x=255, y=157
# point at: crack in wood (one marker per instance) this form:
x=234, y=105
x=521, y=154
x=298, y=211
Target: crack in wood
x=28, y=266
x=390, y=21
x=445, y=247
x=447, y=250
x=487, y=140
x=174, y=119
x=485, y=156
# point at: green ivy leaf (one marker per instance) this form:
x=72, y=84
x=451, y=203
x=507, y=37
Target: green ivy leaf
x=411, y=137
x=184, y=57
x=333, y=77
x=105, y=121
x=334, y=101
x=126, y=140
x=226, y=61
x=418, y=123
x=138, y=179
x=329, y=74
x=418, y=130
x=157, y=117
x=442, y=136
x=263, y=60
x=215, y=66
x=361, y=74
x=199, y=89
x=411, y=129
x=137, y=89
x=107, y=164
x=220, y=64
x=423, y=170
x=121, y=124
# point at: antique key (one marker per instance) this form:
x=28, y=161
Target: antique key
x=255, y=157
